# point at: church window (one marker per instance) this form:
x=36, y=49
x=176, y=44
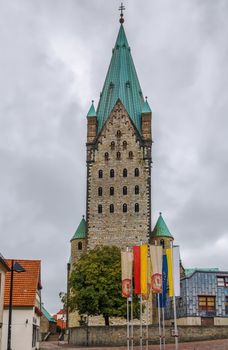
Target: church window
x=111, y=191
x=125, y=145
x=130, y=154
x=136, y=172
x=79, y=245
x=125, y=208
x=100, y=174
x=136, y=189
x=99, y=208
x=106, y=156
x=125, y=173
x=112, y=145
x=100, y=191
x=136, y=207
x=112, y=173
x=118, y=155
x=124, y=190
x=162, y=243
x=118, y=134
x=111, y=208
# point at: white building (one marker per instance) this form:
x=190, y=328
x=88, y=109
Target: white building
x=3, y=268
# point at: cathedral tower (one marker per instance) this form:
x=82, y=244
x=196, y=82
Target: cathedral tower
x=118, y=206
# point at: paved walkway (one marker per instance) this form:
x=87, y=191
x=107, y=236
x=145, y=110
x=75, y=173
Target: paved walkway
x=203, y=345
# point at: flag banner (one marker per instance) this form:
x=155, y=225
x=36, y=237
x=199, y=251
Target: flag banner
x=156, y=261
x=136, y=252
x=126, y=269
x=176, y=271
x=143, y=269
x=170, y=270
x=163, y=295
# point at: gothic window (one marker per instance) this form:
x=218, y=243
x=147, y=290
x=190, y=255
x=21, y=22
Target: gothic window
x=136, y=189
x=111, y=191
x=125, y=173
x=162, y=243
x=100, y=174
x=136, y=207
x=99, y=208
x=112, y=145
x=106, y=156
x=125, y=145
x=124, y=190
x=130, y=154
x=118, y=155
x=79, y=245
x=111, y=208
x=118, y=134
x=136, y=172
x=100, y=191
x=125, y=208
x=112, y=173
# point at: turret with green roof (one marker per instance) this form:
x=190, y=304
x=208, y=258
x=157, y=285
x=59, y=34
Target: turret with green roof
x=78, y=242
x=161, y=233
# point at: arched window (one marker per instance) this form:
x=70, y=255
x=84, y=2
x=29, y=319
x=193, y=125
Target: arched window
x=136, y=189
x=118, y=155
x=125, y=173
x=124, y=190
x=136, y=207
x=124, y=207
x=111, y=208
x=100, y=174
x=106, y=156
x=112, y=145
x=112, y=173
x=111, y=191
x=118, y=134
x=125, y=145
x=130, y=154
x=79, y=245
x=162, y=243
x=100, y=191
x=99, y=208
x=136, y=172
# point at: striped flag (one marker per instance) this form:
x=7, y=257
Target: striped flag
x=164, y=282
x=156, y=261
x=176, y=270
x=126, y=268
x=143, y=269
x=170, y=270
x=136, y=252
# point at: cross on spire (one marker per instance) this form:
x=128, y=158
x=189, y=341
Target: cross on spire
x=121, y=9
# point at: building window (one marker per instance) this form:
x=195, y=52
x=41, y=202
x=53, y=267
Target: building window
x=79, y=245
x=100, y=191
x=124, y=208
x=125, y=173
x=111, y=208
x=112, y=173
x=118, y=134
x=206, y=303
x=34, y=335
x=112, y=145
x=118, y=155
x=162, y=243
x=136, y=172
x=130, y=155
x=111, y=191
x=136, y=189
x=124, y=190
x=222, y=281
x=125, y=145
x=106, y=156
x=136, y=207
x=99, y=208
x=100, y=174
x=226, y=305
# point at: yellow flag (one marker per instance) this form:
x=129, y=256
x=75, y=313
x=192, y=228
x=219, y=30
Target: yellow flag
x=170, y=270
x=143, y=269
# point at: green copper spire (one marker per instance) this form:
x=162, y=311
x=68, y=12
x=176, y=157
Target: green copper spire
x=161, y=229
x=146, y=107
x=81, y=230
x=92, y=112
x=121, y=83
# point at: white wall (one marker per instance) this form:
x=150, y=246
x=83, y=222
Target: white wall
x=21, y=338
x=2, y=287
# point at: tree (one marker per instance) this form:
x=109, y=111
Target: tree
x=95, y=285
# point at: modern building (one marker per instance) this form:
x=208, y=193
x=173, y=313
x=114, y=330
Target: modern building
x=26, y=306
x=3, y=269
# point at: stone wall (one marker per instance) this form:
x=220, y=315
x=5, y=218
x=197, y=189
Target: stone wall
x=116, y=335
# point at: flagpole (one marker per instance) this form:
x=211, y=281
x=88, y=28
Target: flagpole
x=163, y=327
x=174, y=305
x=128, y=324
x=140, y=321
x=132, y=316
x=159, y=321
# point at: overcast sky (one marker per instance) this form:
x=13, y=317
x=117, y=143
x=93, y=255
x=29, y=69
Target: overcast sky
x=53, y=61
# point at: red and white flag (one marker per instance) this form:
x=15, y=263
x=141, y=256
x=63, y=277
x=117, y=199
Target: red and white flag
x=156, y=262
x=126, y=268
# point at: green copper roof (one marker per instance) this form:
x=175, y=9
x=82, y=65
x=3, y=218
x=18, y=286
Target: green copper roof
x=47, y=315
x=161, y=229
x=121, y=83
x=190, y=271
x=81, y=230
x=92, y=112
x=146, y=107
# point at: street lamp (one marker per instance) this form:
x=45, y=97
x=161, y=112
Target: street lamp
x=15, y=266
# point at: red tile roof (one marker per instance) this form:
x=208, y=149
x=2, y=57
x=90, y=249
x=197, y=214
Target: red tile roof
x=25, y=284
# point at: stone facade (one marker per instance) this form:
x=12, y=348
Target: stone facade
x=118, y=146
